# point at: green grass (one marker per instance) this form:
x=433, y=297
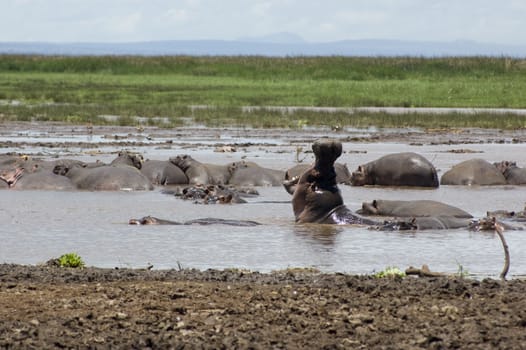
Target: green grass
x=80, y=89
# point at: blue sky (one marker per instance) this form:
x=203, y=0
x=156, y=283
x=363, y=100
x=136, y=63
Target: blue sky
x=501, y=21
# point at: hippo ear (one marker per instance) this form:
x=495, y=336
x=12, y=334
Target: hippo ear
x=360, y=168
x=375, y=204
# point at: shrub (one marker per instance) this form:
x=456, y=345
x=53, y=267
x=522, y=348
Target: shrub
x=391, y=272
x=71, y=260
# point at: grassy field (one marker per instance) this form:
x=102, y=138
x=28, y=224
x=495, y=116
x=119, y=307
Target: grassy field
x=81, y=89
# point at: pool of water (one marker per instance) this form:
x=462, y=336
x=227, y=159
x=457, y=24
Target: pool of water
x=39, y=225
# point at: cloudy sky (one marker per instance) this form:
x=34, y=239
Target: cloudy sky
x=493, y=21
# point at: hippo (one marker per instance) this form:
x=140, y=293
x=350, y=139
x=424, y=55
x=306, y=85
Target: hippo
x=512, y=173
x=317, y=198
x=11, y=168
x=201, y=173
x=508, y=214
x=10, y=176
x=161, y=172
x=428, y=223
x=36, y=179
x=397, y=169
x=106, y=177
x=473, y=172
x=343, y=176
x=128, y=158
x=245, y=173
x=415, y=208
x=489, y=223
x=152, y=220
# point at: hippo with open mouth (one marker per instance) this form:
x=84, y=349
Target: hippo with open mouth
x=317, y=198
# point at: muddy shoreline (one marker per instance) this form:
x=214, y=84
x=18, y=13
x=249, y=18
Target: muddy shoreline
x=52, y=307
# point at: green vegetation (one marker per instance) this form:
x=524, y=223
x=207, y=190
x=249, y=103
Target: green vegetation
x=391, y=272
x=70, y=260
x=82, y=89
x=461, y=271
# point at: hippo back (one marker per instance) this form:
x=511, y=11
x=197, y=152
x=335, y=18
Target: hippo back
x=473, y=172
x=415, y=208
x=161, y=172
x=251, y=174
x=108, y=178
x=397, y=169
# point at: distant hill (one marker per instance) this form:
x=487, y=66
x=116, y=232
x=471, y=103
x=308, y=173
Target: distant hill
x=281, y=44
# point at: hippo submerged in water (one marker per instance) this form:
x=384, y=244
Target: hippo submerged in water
x=413, y=208
x=513, y=174
x=152, y=220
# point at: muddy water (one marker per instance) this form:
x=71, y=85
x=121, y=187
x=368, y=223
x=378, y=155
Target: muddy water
x=39, y=225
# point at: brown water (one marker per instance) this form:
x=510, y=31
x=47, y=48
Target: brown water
x=39, y=225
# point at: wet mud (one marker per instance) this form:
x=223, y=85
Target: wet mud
x=53, y=307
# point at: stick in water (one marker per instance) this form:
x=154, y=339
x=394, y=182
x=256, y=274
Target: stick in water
x=500, y=231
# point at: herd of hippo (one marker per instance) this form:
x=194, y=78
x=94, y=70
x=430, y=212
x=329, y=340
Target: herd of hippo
x=316, y=197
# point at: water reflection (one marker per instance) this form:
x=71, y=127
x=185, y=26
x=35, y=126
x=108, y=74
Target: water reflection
x=324, y=235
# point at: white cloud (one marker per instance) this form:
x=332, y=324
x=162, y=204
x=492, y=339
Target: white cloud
x=261, y=8
x=178, y=15
x=125, y=23
x=128, y=20
x=361, y=17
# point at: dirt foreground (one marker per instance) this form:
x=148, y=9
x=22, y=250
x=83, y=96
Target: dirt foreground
x=52, y=307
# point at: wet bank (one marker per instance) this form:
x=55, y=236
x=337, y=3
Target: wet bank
x=51, y=307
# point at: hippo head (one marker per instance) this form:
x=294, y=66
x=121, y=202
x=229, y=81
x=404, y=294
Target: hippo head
x=316, y=193
x=232, y=167
x=11, y=176
x=133, y=159
x=488, y=223
x=359, y=177
x=369, y=208
x=183, y=161
x=147, y=220
x=61, y=169
x=326, y=152
x=505, y=165
x=242, y=164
